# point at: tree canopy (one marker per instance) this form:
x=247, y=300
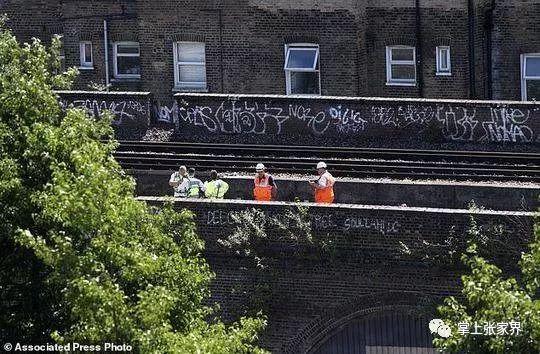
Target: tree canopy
x=509, y=306
x=83, y=260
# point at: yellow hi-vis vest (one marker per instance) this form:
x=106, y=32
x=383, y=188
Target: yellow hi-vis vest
x=216, y=189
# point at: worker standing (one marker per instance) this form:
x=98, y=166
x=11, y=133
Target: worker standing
x=196, y=187
x=216, y=187
x=265, y=185
x=180, y=182
x=323, y=187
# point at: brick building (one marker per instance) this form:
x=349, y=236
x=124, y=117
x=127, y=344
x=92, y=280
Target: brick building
x=486, y=49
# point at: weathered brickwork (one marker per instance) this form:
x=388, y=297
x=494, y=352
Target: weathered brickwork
x=245, y=40
x=306, y=291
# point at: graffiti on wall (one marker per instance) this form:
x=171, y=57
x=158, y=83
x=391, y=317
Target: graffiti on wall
x=454, y=121
x=509, y=125
x=319, y=222
x=123, y=111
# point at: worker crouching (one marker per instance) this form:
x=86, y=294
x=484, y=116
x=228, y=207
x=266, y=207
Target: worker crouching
x=265, y=185
x=323, y=186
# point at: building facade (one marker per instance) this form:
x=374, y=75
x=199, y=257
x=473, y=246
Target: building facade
x=483, y=49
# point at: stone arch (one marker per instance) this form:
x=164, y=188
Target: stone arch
x=322, y=328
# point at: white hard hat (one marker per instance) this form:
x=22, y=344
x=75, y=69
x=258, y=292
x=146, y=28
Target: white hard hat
x=259, y=167
x=321, y=165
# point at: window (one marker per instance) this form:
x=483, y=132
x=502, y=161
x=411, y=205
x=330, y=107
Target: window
x=302, y=69
x=126, y=60
x=400, y=66
x=85, y=50
x=443, y=60
x=530, y=77
x=189, y=65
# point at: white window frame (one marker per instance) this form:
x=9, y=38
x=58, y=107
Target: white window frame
x=86, y=65
x=316, y=69
x=525, y=78
x=441, y=71
x=389, y=62
x=185, y=85
x=116, y=55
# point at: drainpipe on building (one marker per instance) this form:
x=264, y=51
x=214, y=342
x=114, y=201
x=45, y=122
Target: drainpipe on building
x=221, y=49
x=106, y=50
x=472, y=68
x=419, y=59
x=489, y=48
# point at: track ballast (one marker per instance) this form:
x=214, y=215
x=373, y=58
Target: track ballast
x=342, y=161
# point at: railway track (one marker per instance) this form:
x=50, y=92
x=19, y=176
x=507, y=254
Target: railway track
x=343, y=161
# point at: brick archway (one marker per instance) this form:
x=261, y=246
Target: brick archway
x=321, y=329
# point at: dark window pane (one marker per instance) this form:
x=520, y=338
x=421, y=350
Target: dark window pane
x=403, y=72
x=403, y=54
x=533, y=66
x=533, y=90
x=127, y=49
x=87, y=53
x=301, y=58
x=443, y=58
x=305, y=82
x=128, y=66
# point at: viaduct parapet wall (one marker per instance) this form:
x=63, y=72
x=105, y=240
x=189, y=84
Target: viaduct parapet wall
x=132, y=111
x=307, y=293
x=314, y=120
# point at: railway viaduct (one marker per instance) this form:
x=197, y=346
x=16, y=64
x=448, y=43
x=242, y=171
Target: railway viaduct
x=363, y=275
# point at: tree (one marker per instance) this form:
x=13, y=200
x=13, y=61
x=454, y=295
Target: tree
x=82, y=259
x=490, y=298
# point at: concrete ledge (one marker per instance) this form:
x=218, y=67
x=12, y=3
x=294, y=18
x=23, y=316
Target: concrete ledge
x=254, y=203
x=450, y=195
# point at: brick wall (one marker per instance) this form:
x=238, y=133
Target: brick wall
x=245, y=42
x=306, y=292
x=131, y=110
x=516, y=31
x=316, y=121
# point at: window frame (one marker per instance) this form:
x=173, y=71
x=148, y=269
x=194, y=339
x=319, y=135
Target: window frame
x=389, y=62
x=83, y=64
x=187, y=85
x=524, y=78
x=288, y=72
x=116, y=55
x=440, y=70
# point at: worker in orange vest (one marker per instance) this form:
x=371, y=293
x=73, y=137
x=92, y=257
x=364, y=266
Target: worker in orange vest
x=323, y=186
x=265, y=186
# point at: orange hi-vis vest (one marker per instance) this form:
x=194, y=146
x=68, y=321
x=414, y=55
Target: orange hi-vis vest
x=263, y=189
x=326, y=194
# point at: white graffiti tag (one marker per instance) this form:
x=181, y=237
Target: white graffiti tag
x=508, y=125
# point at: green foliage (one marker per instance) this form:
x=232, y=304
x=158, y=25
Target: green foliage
x=489, y=297
x=251, y=234
x=82, y=259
